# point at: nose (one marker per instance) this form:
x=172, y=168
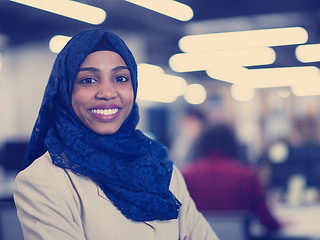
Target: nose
x=107, y=91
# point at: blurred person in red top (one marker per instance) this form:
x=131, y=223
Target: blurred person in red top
x=218, y=181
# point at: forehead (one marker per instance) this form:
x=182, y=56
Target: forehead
x=103, y=58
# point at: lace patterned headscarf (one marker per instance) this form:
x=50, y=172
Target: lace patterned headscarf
x=132, y=170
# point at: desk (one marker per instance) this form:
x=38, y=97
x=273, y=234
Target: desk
x=302, y=222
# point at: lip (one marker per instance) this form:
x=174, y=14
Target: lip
x=103, y=117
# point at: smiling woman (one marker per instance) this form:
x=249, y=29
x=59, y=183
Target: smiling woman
x=90, y=173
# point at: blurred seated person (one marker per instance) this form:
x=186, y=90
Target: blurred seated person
x=219, y=181
x=190, y=127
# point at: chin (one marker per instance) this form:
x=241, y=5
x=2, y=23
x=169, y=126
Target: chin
x=105, y=131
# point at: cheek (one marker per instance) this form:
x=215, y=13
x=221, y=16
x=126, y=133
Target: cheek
x=129, y=97
x=79, y=98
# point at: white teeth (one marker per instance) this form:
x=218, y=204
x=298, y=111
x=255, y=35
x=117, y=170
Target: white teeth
x=105, y=111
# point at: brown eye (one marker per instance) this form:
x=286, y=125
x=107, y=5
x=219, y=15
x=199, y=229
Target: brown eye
x=121, y=79
x=88, y=81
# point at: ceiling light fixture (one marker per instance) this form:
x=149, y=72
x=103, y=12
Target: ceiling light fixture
x=195, y=94
x=308, y=53
x=310, y=89
x=58, y=42
x=71, y=9
x=169, y=8
x=187, y=62
x=242, y=93
x=268, y=77
x=227, y=73
x=153, y=84
x=243, y=39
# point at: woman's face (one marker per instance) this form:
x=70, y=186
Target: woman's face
x=102, y=95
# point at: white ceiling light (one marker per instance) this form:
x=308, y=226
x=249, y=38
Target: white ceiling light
x=268, y=77
x=278, y=77
x=308, y=53
x=186, y=62
x=303, y=89
x=195, y=94
x=283, y=93
x=146, y=70
x=278, y=152
x=227, y=73
x=169, y=8
x=58, y=42
x=242, y=93
x=155, y=85
x=243, y=39
x=67, y=8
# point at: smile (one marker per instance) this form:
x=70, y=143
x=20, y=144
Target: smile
x=106, y=112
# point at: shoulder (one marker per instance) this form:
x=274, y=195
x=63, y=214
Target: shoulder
x=177, y=184
x=42, y=172
x=176, y=177
x=42, y=162
x=41, y=167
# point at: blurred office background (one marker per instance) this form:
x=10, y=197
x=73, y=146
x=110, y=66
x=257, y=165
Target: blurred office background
x=252, y=64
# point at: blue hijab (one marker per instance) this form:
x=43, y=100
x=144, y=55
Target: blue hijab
x=132, y=170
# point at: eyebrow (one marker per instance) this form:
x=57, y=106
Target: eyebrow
x=93, y=69
x=118, y=68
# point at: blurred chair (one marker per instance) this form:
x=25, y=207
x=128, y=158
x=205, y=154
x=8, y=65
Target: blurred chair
x=10, y=228
x=230, y=225
x=12, y=155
